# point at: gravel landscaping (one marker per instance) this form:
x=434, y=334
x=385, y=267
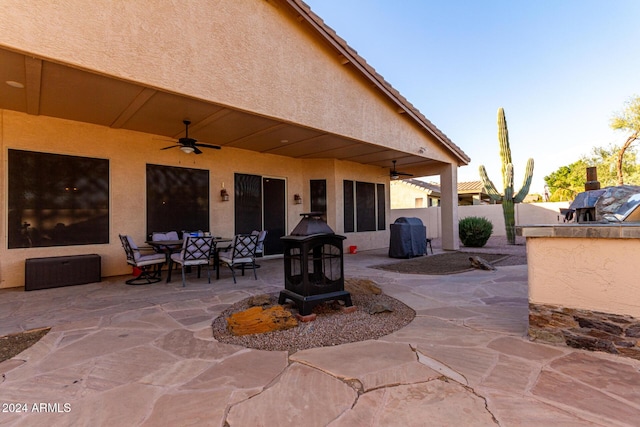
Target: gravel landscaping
x=371, y=320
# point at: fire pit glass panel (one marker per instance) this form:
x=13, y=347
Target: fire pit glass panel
x=316, y=270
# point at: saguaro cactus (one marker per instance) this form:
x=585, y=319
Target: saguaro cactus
x=509, y=199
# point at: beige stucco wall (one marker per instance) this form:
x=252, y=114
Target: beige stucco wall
x=254, y=55
x=526, y=213
x=405, y=196
x=585, y=273
x=129, y=152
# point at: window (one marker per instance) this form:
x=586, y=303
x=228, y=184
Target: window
x=349, y=211
x=364, y=206
x=177, y=199
x=382, y=217
x=57, y=200
x=318, y=191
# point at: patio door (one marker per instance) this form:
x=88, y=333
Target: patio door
x=260, y=205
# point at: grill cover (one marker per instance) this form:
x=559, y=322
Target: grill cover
x=408, y=238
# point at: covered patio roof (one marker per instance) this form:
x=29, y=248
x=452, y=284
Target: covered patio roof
x=60, y=90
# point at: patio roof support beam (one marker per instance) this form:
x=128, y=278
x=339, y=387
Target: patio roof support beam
x=449, y=207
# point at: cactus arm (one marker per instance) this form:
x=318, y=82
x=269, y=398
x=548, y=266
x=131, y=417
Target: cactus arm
x=527, y=182
x=505, y=148
x=508, y=185
x=488, y=185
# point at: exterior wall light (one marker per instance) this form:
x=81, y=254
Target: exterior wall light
x=297, y=199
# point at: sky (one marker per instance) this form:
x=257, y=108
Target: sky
x=559, y=68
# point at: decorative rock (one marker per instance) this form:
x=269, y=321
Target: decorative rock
x=259, y=300
x=257, y=320
x=480, y=263
x=380, y=308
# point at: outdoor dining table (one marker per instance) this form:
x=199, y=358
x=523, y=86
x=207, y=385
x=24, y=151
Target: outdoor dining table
x=173, y=246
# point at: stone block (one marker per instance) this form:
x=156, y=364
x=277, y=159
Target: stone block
x=257, y=320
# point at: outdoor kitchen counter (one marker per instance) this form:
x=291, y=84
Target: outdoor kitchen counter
x=587, y=266
x=583, y=230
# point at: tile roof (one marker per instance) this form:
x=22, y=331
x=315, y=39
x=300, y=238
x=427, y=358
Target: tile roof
x=475, y=187
x=471, y=187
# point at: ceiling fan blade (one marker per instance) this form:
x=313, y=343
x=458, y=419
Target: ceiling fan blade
x=199, y=144
x=171, y=146
x=196, y=150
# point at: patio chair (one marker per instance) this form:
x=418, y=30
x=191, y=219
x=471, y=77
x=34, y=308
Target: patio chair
x=196, y=251
x=142, y=262
x=241, y=254
x=260, y=243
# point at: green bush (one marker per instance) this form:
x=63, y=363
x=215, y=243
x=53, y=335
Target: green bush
x=475, y=231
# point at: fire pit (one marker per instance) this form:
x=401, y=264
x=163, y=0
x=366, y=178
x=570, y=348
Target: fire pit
x=313, y=265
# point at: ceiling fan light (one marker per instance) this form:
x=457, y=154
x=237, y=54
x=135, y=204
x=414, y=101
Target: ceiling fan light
x=187, y=150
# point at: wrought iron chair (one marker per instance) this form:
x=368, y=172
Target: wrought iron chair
x=260, y=243
x=196, y=251
x=241, y=254
x=142, y=262
x=262, y=235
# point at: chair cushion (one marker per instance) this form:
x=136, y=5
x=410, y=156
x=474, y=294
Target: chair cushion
x=178, y=258
x=157, y=237
x=225, y=257
x=142, y=260
x=134, y=248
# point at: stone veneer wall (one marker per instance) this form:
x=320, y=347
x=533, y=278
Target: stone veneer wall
x=585, y=329
x=583, y=285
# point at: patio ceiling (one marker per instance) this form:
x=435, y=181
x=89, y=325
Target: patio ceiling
x=57, y=90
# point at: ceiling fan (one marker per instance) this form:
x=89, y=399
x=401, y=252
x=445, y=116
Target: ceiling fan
x=394, y=174
x=190, y=145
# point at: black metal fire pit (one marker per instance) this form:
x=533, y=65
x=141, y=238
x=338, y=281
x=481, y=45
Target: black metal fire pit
x=313, y=265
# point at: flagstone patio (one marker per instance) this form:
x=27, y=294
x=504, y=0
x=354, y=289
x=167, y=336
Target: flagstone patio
x=125, y=355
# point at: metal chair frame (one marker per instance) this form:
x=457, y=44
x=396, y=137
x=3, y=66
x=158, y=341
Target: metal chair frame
x=242, y=254
x=196, y=251
x=143, y=262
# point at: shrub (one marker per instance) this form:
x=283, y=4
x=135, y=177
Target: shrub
x=474, y=231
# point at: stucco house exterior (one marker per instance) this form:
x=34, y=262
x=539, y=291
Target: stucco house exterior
x=414, y=193
x=91, y=93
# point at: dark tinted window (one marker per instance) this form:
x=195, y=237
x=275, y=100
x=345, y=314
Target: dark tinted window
x=349, y=218
x=57, y=200
x=382, y=219
x=177, y=199
x=366, y=206
x=318, y=189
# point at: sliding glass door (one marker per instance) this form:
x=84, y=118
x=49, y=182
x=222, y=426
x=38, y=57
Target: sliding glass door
x=260, y=205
